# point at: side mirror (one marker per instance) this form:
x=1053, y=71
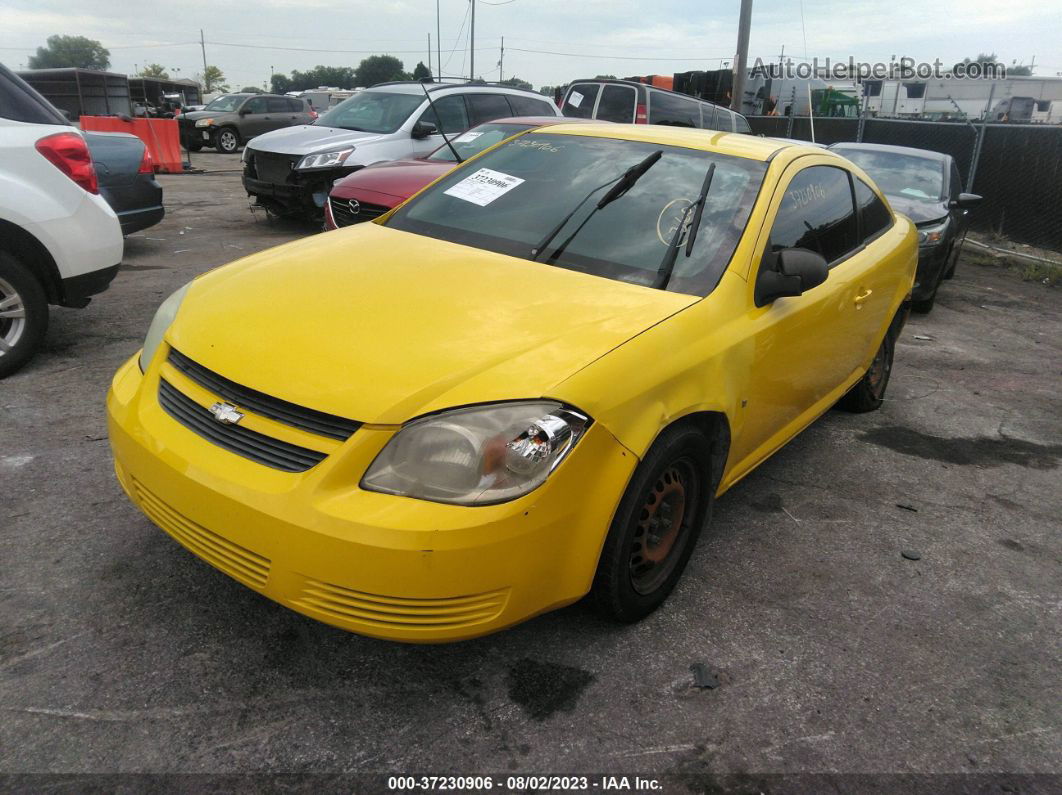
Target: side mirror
x=966, y=201
x=422, y=129
x=796, y=271
x=243, y=111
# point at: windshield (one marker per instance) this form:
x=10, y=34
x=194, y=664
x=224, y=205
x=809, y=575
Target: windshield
x=513, y=196
x=226, y=103
x=477, y=140
x=906, y=176
x=372, y=111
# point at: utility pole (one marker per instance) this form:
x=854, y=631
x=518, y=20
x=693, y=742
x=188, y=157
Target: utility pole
x=429, y=52
x=438, y=41
x=501, y=63
x=737, y=93
x=203, y=47
x=472, y=45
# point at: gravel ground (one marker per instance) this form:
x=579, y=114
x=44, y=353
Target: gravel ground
x=121, y=652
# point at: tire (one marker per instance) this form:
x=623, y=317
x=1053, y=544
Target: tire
x=869, y=392
x=925, y=306
x=953, y=260
x=643, y=558
x=23, y=314
x=194, y=146
x=227, y=141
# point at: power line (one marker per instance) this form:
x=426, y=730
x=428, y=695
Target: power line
x=320, y=49
x=698, y=57
x=457, y=41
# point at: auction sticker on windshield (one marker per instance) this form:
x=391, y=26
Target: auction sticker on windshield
x=483, y=187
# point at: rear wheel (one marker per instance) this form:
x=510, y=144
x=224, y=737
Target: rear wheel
x=656, y=526
x=869, y=392
x=226, y=141
x=23, y=314
x=194, y=146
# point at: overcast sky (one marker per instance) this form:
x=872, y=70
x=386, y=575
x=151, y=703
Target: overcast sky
x=570, y=38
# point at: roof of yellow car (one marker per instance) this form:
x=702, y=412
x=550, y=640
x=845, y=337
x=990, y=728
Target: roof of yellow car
x=747, y=146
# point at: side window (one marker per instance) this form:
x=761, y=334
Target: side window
x=528, y=106
x=297, y=106
x=719, y=119
x=874, y=215
x=488, y=107
x=256, y=105
x=579, y=103
x=19, y=102
x=741, y=124
x=674, y=110
x=278, y=105
x=454, y=117
x=617, y=104
x=817, y=214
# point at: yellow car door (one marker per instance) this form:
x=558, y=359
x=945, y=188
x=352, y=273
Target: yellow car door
x=804, y=347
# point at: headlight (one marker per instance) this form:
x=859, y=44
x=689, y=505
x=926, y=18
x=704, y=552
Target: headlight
x=325, y=159
x=477, y=456
x=167, y=311
x=931, y=235
x=204, y=122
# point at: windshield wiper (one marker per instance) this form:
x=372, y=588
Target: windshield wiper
x=624, y=182
x=667, y=265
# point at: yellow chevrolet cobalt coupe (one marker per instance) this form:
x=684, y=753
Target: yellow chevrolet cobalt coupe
x=525, y=385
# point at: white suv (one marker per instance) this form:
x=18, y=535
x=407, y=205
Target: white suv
x=59, y=240
x=292, y=170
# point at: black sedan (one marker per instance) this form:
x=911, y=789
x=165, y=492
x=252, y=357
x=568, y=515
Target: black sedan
x=926, y=187
x=127, y=181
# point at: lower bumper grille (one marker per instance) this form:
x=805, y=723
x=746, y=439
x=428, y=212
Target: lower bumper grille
x=242, y=441
x=346, y=211
x=239, y=563
x=399, y=612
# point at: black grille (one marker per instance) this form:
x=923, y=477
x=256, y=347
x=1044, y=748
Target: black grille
x=242, y=441
x=274, y=168
x=260, y=403
x=344, y=215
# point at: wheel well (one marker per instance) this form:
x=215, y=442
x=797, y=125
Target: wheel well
x=32, y=253
x=234, y=128
x=716, y=427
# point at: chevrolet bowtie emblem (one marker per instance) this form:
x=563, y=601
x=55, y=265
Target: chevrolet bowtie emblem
x=226, y=413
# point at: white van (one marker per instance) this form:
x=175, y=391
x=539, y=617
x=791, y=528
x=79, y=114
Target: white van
x=630, y=102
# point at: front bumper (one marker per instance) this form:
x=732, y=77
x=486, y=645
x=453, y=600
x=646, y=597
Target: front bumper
x=298, y=191
x=931, y=263
x=379, y=565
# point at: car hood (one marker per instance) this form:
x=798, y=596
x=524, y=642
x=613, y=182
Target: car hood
x=380, y=326
x=304, y=139
x=918, y=211
x=203, y=114
x=399, y=178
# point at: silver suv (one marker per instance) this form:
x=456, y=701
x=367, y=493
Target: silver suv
x=291, y=171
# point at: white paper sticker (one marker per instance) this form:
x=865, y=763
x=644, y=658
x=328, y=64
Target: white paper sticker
x=468, y=136
x=483, y=187
x=575, y=99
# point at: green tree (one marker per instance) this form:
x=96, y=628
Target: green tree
x=280, y=84
x=320, y=75
x=251, y=90
x=379, y=69
x=62, y=51
x=214, y=80
x=516, y=82
x=421, y=71
x=155, y=70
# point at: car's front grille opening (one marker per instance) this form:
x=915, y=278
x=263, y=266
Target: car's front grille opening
x=242, y=441
x=271, y=167
x=260, y=403
x=347, y=211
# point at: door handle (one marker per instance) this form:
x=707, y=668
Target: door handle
x=863, y=296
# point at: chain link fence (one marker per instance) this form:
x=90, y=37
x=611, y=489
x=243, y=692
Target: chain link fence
x=1017, y=168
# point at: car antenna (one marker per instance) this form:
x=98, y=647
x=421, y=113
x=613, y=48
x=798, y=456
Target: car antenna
x=438, y=118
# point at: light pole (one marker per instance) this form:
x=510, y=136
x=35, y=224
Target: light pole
x=472, y=45
x=737, y=93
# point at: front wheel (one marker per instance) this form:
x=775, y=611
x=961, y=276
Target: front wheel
x=655, y=527
x=23, y=314
x=869, y=392
x=226, y=141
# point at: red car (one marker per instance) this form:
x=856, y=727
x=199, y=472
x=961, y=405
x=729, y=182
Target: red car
x=370, y=192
